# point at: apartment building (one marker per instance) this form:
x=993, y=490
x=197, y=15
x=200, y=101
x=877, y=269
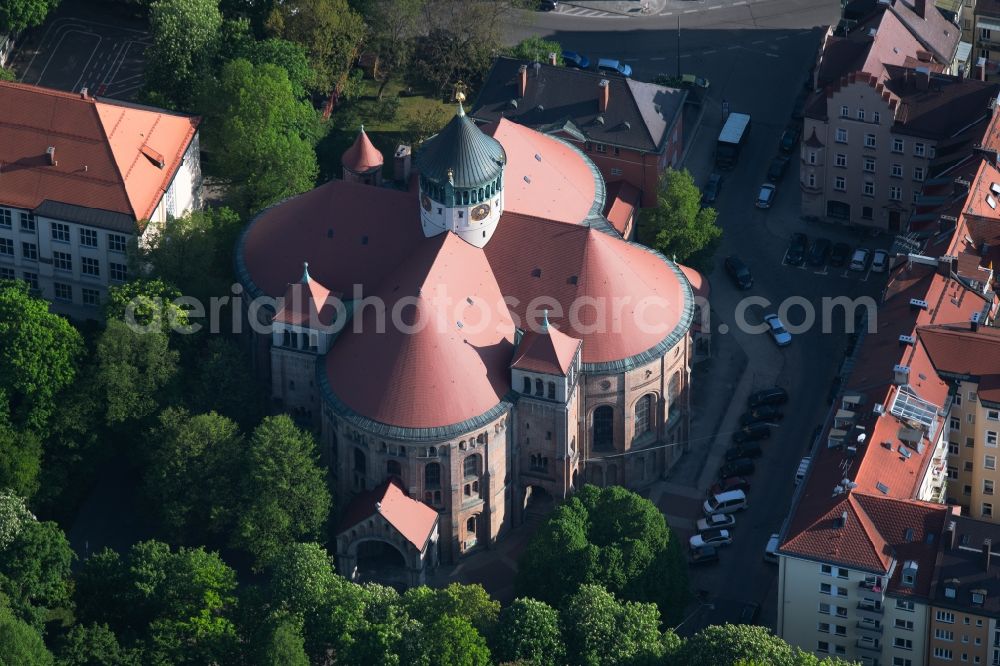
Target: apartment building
x=80, y=179
x=986, y=33
x=962, y=14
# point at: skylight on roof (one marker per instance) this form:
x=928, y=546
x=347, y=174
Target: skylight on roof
x=908, y=405
x=995, y=189
x=882, y=488
x=991, y=201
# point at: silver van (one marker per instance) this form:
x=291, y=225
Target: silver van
x=727, y=502
x=803, y=468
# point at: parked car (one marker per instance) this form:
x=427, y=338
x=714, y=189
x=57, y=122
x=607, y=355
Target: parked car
x=789, y=138
x=819, y=252
x=738, y=272
x=741, y=467
x=860, y=260
x=613, y=67
x=726, y=502
x=880, y=261
x=717, y=521
x=752, y=433
x=703, y=555
x=765, y=197
x=800, y=473
x=732, y=483
x=782, y=338
x=574, y=59
x=779, y=165
x=771, y=549
x=840, y=254
x=768, y=413
x=692, y=81
x=797, y=248
x=771, y=396
x=711, y=538
x=711, y=191
x=548, y=5
x=746, y=450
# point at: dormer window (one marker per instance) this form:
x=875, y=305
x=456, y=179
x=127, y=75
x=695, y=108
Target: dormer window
x=909, y=576
x=527, y=385
x=951, y=589
x=978, y=597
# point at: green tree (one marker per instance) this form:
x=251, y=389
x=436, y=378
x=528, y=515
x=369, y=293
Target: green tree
x=18, y=15
x=329, y=30
x=20, y=643
x=392, y=26
x=448, y=641
x=146, y=303
x=285, y=646
x=260, y=136
x=38, y=354
x=190, y=474
x=529, y=634
x=184, y=33
x=134, y=370
x=536, y=49
x=678, y=226
x=598, y=630
x=221, y=379
x=14, y=515
x=20, y=456
x=35, y=569
x=7, y=74
x=93, y=645
x=470, y=602
x=609, y=536
x=285, y=497
x=290, y=56
x=728, y=645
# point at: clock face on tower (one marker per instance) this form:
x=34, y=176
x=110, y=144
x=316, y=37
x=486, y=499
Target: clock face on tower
x=425, y=201
x=480, y=212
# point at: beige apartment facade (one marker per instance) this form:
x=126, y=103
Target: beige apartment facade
x=974, y=429
x=956, y=636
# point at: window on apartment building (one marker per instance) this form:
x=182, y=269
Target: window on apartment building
x=987, y=487
x=118, y=272
x=876, y=117
x=5, y=217
x=116, y=243
x=616, y=172
x=868, y=188
x=987, y=511
x=29, y=251
x=869, y=140
x=942, y=653
x=966, y=490
x=7, y=273
x=840, y=160
x=944, y=634
x=840, y=183
x=840, y=611
x=63, y=292
x=990, y=462
x=901, y=661
x=895, y=193
x=823, y=627
x=902, y=643
x=88, y=237
x=844, y=112
x=31, y=279
x=896, y=171
x=952, y=472
x=822, y=646
x=63, y=261
x=812, y=157
x=840, y=591
x=906, y=625
x=918, y=173
x=919, y=149
x=6, y=246
x=811, y=179
x=90, y=266
x=826, y=569
x=60, y=232
x=916, y=195
x=842, y=573
x=839, y=649
x=867, y=212
x=958, y=398
x=984, y=33
x=91, y=297
x=869, y=163
x=968, y=465
x=904, y=604
x=861, y=114
x=970, y=442
x=992, y=415
x=991, y=438
x=970, y=418
x=824, y=609
x=841, y=136
x=600, y=148
x=825, y=588
x=897, y=145
x=839, y=630
x=618, y=151
x=953, y=448
x=27, y=221
x=955, y=423
x=972, y=397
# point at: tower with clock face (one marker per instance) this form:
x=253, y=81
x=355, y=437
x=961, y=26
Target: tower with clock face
x=461, y=181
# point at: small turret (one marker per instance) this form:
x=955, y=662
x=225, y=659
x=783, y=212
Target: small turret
x=362, y=162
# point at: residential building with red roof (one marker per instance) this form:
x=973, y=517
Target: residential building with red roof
x=485, y=340
x=81, y=178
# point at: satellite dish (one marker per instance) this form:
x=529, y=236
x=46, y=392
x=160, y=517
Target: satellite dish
x=861, y=438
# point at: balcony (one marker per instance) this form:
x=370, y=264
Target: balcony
x=875, y=586
x=870, y=646
x=870, y=627
x=870, y=610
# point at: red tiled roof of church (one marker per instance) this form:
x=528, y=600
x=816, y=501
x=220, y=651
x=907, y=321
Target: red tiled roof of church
x=362, y=156
x=412, y=519
x=547, y=350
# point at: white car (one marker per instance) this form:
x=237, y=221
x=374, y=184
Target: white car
x=711, y=538
x=859, y=261
x=716, y=521
x=880, y=261
x=766, y=195
x=771, y=550
x=782, y=338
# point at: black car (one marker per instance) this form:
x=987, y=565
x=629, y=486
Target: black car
x=704, y=555
x=771, y=396
x=768, y=413
x=752, y=433
x=840, y=254
x=748, y=450
x=789, y=138
x=548, y=5
x=741, y=467
x=738, y=272
x=712, y=187
x=797, y=248
x=819, y=252
x=732, y=483
x=779, y=165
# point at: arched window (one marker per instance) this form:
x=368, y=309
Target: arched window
x=432, y=475
x=287, y=338
x=359, y=461
x=643, y=409
x=604, y=428
x=471, y=466
x=527, y=385
x=470, y=525
x=393, y=468
x=552, y=390
x=480, y=194
x=539, y=387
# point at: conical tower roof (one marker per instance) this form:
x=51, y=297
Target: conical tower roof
x=461, y=152
x=362, y=156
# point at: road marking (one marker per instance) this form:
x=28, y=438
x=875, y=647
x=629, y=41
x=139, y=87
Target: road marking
x=658, y=58
x=690, y=11
x=822, y=272
x=772, y=55
x=56, y=48
x=741, y=3
x=732, y=48
x=99, y=40
x=714, y=7
x=685, y=55
x=780, y=37
x=759, y=41
x=708, y=51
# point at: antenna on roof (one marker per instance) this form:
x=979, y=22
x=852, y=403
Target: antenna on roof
x=305, y=272
x=545, y=320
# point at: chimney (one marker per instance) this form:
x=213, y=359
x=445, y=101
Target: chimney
x=987, y=552
x=83, y=93
x=949, y=535
x=51, y=152
x=920, y=7
x=974, y=321
x=522, y=80
x=402, y=164
x=553, y=59
x=979, y=71
x=603, y=95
